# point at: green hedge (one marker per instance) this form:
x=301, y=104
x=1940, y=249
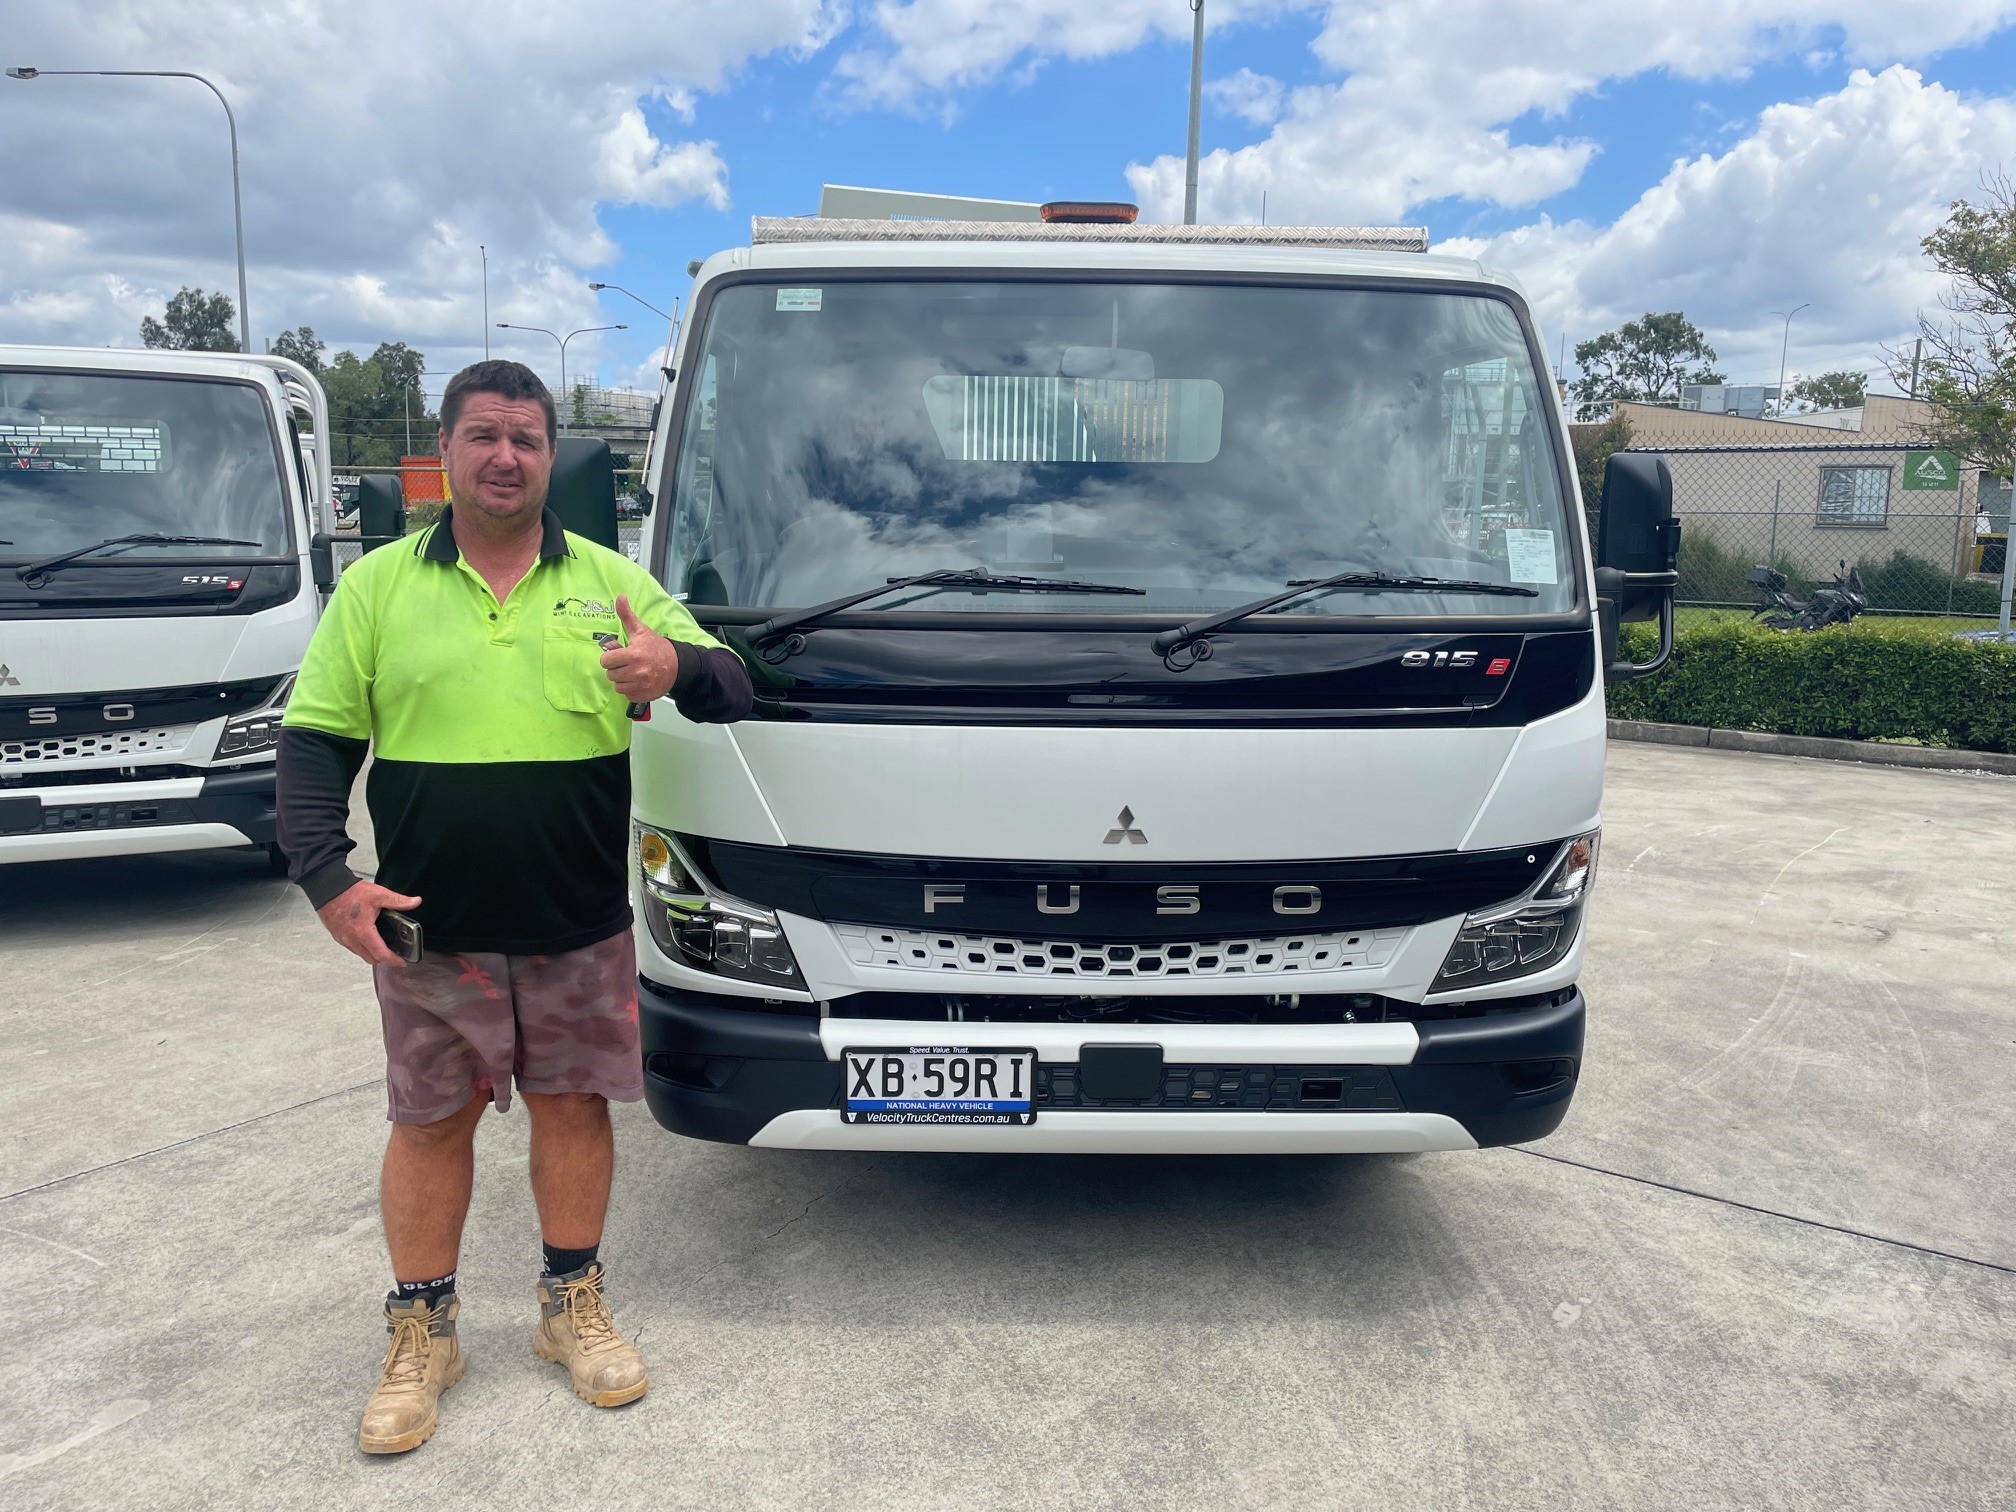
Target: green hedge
x=1877, y=679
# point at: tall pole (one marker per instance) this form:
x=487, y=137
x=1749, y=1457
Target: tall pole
x=2008, y=558
x=485, y=251
x=230, y=120
x=1783, y=347
x=1196, y=109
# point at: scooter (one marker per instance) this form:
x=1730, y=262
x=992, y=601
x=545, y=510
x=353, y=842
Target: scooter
x=1836, y=604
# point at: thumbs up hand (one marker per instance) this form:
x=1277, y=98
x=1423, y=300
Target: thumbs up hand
x=644, y=670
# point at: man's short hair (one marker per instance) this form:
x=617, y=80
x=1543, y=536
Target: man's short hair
x=504, y=378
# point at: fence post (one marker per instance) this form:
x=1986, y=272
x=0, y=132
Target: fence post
x=1953, y=564
x=1771, y=556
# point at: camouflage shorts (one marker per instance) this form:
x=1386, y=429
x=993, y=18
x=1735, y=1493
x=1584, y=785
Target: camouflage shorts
x=463, y=1025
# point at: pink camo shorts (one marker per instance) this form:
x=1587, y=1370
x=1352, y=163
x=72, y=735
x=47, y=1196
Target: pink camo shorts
x=458, y=1026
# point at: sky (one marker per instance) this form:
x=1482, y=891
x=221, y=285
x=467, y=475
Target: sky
x=1733, y=159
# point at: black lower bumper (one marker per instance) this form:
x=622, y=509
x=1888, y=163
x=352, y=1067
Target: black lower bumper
x=242, y=799
x=722, y=1073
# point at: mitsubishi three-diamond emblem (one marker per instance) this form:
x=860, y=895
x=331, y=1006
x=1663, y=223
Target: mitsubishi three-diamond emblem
x=1126, y=831
x=7, y=678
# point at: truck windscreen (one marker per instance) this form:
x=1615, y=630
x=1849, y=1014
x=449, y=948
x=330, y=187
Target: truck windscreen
x=1205, y=443
x=85, y=457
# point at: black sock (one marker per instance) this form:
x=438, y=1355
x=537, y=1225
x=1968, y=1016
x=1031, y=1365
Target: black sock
x=431, y=1292
x=564, y=1262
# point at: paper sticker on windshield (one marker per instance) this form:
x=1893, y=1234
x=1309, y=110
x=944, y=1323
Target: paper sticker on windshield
x=1529, y=555
x=799, y=299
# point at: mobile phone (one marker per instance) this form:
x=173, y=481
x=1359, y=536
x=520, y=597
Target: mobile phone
x=401, y=934
x=639, y=712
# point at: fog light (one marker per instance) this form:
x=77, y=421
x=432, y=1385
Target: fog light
x=1529, y=934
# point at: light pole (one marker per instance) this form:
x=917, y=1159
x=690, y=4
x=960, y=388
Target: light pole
x=672, y=320
x=1783, y=347
x=505, y=325
x=485, y=252
x=1196, y=108
x=237, y=200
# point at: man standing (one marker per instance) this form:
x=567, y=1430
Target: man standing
x=471, y=658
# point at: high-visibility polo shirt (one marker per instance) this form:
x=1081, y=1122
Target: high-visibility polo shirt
x=500, y=791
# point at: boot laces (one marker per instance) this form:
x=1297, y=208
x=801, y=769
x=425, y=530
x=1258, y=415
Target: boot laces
x=406, y=1356
x=588, y=1311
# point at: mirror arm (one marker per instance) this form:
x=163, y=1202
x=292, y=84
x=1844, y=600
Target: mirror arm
x=1615, y=670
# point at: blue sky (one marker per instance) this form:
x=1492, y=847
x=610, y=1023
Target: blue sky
x=1818, y=140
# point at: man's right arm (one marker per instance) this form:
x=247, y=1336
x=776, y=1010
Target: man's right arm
x=324, y=738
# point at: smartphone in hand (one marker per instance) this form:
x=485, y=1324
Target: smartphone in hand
x=401, y=934
x=636, y=711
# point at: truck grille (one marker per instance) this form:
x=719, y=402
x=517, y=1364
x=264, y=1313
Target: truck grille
x=992, y=955
x=112, y=745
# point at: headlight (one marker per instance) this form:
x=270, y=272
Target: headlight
x=1528, y=934
x=250, y=734
x=700, y=928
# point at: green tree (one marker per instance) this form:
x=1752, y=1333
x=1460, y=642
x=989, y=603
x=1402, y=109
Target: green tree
x=1969, y=371
x=370, y=401
x=1645, y=360
x=1827, y=391
x=196, y=322
x=303, y=345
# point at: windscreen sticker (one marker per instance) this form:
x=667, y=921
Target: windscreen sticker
x=799, y=299
x=1529, y=554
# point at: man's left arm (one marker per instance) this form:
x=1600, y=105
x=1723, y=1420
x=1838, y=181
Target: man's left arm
x=669, y=654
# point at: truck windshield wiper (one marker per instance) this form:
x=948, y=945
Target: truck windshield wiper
x=144, y=538
x=943, y=577
x=1170, y=641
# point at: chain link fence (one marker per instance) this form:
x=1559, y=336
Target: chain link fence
x=1925, y=534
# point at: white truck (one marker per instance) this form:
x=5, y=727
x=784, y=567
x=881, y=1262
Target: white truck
x=164, y=527
x=1179, y=664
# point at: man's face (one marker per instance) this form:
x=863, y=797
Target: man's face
x=498, y=459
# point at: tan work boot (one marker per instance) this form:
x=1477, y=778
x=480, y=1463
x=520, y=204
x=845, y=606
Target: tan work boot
x=575, y=1330
x=423, y=1360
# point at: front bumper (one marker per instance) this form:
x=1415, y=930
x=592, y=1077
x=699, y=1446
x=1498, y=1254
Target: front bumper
x=219, y=809
x=750, y=1077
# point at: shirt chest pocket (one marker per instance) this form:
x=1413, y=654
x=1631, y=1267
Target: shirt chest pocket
x=574, y=677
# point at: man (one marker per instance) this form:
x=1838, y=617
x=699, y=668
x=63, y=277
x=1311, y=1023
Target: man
x=468, y=658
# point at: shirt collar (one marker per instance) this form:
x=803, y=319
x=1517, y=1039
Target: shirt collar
x=440, y=544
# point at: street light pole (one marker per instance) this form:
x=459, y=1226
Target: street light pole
x=230, y=120
x=505, y=325
x=485, y=251
x=1196, y=109
x=671, y=321
x=1783, y=347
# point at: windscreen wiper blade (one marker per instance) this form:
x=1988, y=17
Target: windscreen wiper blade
x=943, y=577
x=1340, y=582
x=143, y=538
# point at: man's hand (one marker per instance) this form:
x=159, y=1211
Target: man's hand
x=351, y=917
x=644, y=670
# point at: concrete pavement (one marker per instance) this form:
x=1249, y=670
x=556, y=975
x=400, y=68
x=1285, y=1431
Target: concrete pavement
x=1802, y=986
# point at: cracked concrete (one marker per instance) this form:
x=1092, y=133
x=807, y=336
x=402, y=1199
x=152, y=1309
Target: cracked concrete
x=197, y=1131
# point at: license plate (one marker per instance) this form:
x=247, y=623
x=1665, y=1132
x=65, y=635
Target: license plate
x=939, y=1084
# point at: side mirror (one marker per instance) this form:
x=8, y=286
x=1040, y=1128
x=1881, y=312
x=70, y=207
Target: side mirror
x=322, y=561
x=583, y=489
x=381, y=510
x=1638, y=557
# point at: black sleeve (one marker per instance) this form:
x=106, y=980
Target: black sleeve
x=316, y=771
x=712, y=686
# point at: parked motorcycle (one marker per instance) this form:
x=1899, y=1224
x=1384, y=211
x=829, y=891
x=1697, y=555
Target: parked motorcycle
x=1836, y=604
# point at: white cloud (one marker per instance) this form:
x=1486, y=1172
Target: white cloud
x=1253, y=98
x=1823, y=203
x=382, y=142
x=934, y=47
x=1432, y=91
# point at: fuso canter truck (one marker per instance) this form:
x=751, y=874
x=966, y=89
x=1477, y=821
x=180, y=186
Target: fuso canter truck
x=1179, y=667
x=163, y=554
